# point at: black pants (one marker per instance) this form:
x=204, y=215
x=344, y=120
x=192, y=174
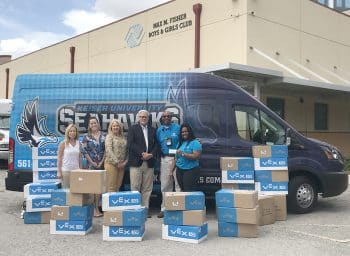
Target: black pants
x=187, y=179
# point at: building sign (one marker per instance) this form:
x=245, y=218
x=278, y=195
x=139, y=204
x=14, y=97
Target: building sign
x=168, y=25
x=134, y=36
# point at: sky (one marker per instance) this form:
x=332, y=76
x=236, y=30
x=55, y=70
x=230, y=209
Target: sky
x=29, y=25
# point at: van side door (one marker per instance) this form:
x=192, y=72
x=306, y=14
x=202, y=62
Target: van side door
x=251, y=125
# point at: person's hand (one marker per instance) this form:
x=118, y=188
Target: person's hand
x=121, y=164
x=59, y=175
x=146, y=156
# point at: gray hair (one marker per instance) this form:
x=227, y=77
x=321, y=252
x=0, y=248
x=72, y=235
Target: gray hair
x=142, y=111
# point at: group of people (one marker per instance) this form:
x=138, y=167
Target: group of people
x=177, y=146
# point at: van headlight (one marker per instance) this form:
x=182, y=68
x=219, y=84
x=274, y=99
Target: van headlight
x=331, y=153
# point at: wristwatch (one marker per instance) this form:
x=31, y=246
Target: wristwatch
x=183, y=154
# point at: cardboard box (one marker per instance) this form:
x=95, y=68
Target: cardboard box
x=121, y=200
x=236, y=198
x=36, y=217
x=130, y=218
x=272, y=188
x=88, y=181
x=44, y=152
x=187, y=218
x=34, y=189
x=72, y=212
x=280, y=207
x=269, y=164
x=237, y=176
x=227, y=229
x=70, y=227
x=237, y=163
x=45, y=176
x=272, y=176
x=46, y=164
x=238, y=215
x=122, y=233
x=181, y=201
x=267, y=210
x=188, y=234
x=40, y=203
x=246, y=186
x=65, y=197
x=279, y=151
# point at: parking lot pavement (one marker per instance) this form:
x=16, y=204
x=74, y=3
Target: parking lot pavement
x=326, y=231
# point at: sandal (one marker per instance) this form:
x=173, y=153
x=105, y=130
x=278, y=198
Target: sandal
x=98, y=214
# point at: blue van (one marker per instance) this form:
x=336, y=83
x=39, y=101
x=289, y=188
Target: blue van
x=227, y=119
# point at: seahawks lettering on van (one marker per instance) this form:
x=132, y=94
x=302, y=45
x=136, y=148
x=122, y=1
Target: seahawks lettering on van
x=125, y=112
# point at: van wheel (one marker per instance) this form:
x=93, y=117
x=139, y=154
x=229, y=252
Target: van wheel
x=302, y=195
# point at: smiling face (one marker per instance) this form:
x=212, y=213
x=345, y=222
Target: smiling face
x=166, y=118
x=116, y=129
x=94, y=125
x=184, y=133
x=72, y=133
x=143, y=117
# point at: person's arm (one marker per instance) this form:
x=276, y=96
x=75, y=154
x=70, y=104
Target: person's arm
x=196, y=152
x=59, y=159
x=132, y=143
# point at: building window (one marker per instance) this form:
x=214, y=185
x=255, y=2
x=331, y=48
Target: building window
x=321, y=116
x=277, y=105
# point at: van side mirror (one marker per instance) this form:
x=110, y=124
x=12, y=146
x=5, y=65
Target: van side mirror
x=288, y=136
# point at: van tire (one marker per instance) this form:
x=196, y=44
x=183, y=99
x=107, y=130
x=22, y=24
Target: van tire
x=302, y=195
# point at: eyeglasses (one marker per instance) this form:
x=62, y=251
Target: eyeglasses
x=143, y=116
x=167, y=116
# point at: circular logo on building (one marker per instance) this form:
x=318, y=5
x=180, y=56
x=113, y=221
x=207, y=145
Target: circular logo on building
x=134, y=36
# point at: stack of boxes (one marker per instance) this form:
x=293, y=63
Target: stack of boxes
x=185, y=217
x=38, y=202
x=237, y=213
x=45, y=164
x=71, y=214
x=124, y=217
x=38, y=193
x=271, y=181
x=72, y=211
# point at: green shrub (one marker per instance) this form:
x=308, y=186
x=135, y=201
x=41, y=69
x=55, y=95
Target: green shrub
x=347, y=165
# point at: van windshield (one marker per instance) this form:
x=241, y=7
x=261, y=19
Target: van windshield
x=4, y=122
x=257, y=126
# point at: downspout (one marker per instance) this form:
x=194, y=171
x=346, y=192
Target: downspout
x=7, y=70
x=72, y=58
x=197, y=9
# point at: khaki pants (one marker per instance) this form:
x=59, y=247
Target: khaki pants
x=115, y=177
x=167, y=177
x=65, y=179
x=141, y=179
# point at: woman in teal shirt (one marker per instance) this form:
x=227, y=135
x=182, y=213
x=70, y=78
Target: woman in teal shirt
x=187, y=159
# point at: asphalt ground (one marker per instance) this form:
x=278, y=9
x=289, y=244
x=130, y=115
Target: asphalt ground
x=325, y=231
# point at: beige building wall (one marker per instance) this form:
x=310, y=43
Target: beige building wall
x=300, y=38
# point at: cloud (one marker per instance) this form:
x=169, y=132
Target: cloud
x=82, y=21
x=104, y=12
x=123, y=8
x=29, y=43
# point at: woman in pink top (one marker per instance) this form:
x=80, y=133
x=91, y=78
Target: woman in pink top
x=69, y=156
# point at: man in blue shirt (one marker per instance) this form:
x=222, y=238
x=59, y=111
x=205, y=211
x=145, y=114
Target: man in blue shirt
x=168, y=139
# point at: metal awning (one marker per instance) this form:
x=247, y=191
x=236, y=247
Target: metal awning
x=250, y=76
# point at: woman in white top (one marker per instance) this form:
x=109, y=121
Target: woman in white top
x=69, y=156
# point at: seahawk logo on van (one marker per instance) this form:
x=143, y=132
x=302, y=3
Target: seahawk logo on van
x=33, y=130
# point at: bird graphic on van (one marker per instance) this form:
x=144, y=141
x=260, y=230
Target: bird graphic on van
x=33, y=130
